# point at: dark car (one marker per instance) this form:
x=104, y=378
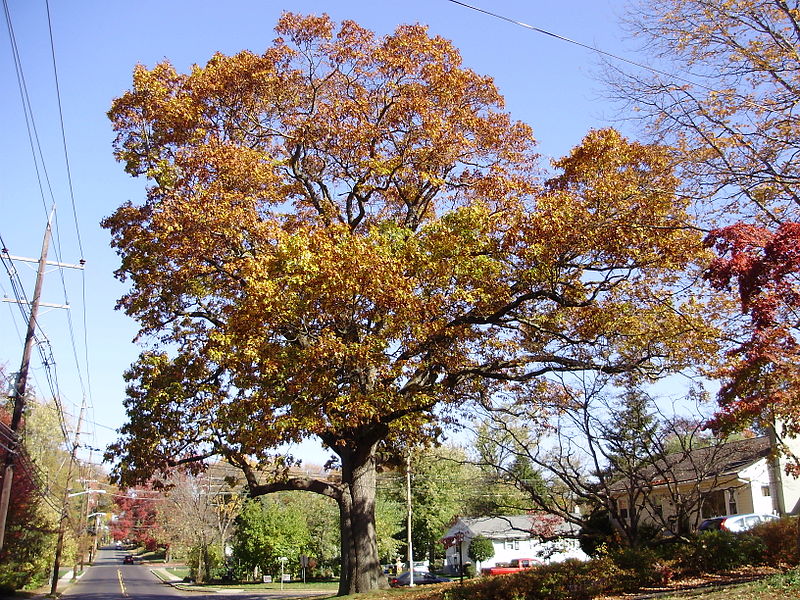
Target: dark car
x=128, y=560
x=420, y=578
x=736, y=523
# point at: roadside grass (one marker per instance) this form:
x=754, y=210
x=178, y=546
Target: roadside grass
x=292, y=585
x=180, y=572
x=321, y=586
x=157, y=555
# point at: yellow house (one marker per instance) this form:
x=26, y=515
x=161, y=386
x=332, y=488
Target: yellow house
x=678, y=491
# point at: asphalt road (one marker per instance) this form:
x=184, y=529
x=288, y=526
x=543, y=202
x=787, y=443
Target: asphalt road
x=109, y=579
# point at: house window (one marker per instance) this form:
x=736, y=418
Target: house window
x=765, y=490
x=732, y=502
x=714, y=504
x=512, y=544
x=622, y=507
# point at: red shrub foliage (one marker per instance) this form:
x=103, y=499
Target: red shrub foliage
x=780, y=539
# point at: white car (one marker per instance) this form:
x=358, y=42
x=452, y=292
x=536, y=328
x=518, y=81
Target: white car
x=736, y=523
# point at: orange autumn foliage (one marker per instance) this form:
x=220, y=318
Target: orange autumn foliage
x=345, y=237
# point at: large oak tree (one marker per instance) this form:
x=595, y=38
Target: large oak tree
x=345, y=237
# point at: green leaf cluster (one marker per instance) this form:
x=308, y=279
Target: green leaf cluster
x=270, y=528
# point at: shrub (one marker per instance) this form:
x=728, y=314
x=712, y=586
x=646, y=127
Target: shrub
x=642, y=566
x=211, y=558
x=597, y=533
x=780, y=541
x=576, y=580
x=569, y=580
x=481, y=548
x=712, y=551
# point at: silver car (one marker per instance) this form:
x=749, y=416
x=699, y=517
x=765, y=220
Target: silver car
x=736, y=523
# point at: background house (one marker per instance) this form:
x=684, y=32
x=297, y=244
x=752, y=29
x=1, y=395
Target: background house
x=732, y=478
x=515, y=536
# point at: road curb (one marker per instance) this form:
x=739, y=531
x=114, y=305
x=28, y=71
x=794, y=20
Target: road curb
x=166, y=577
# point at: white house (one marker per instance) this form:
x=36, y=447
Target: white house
x=515, y=536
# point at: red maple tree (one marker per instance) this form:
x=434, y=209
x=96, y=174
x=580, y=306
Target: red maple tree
x=136, y=518
x=760, y=379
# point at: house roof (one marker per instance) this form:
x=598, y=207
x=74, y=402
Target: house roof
x=507, y=527
x=704, y=463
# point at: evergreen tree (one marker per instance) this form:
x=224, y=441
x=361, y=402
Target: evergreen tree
x=631, y=433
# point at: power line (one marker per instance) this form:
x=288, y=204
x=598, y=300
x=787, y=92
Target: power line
x=35, y=145
x=41, y=340
x=39, y=158
x=96, y=423
x=71, y=188
x=30, y=122
x=18, y=292
x=63, y=129
x=595, y=49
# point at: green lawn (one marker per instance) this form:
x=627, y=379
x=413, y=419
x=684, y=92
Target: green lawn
x=322, y=586
x=293, y=585
x=156, y=555
x=180, y=572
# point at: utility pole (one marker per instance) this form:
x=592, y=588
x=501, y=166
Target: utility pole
x=408, y=520
x=62, y=522
x=20, y=387
x=20, y=384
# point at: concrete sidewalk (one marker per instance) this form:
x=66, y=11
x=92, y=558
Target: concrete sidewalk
x=164, y=575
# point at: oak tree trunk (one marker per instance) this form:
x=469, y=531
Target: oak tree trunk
x=361, y=570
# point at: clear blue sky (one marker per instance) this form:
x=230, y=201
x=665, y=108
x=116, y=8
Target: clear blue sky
x=547, y=83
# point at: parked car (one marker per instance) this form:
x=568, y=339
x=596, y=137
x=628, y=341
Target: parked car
x=420, y=578
x=515, y=566
x=736, y=523
x=128, y=560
